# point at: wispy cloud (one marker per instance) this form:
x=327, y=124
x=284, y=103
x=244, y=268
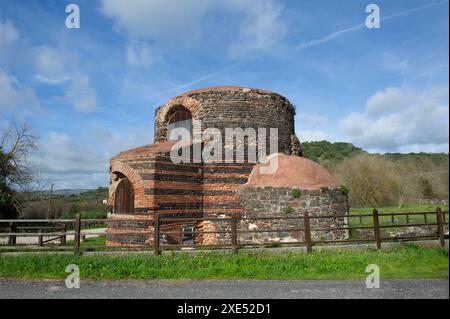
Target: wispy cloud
x=386, y=112
x=428, y=71
x=301, y=47
x=201, y=79
x=338, y=33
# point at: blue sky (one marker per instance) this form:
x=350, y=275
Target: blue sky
x=91, y=92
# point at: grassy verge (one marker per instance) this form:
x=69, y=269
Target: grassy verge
x=92, y=241
x=411, y=207
x=386, y=220
x=409, y=262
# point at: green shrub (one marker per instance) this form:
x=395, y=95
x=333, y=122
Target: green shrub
x=296, y=193
x=288, y=210
x=343, y=189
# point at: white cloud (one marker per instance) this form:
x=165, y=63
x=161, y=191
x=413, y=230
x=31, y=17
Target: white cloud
x=428, y=148
x=81, y=95
x=50, y=65
x=310, y=135
x=389, y=100
x=256, y=25
x=394, y=63
x=263, y=26
x=70, y=163
x=82, y=161
x=60, y=153
x=163, y=19
x=140, y=55
x=311, y=118
x=399, y=119
x=8, y=33
x=15, y=97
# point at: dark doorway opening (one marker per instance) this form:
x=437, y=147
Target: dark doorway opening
x=124, y=197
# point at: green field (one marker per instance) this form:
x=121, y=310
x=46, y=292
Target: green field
x=407, y=262
x=386, y=220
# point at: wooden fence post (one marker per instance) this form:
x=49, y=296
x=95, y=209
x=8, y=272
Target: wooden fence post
x=440, y=227
x=307, y=226
x=63, y=237
x=234, y=246
x=349, y=225
x=156, y=234
x=40, y=238
x=12, y=238
x=77, y=234
x=376, y=228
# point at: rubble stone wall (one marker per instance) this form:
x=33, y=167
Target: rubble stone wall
x=292, y=203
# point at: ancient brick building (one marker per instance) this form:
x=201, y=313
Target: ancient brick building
x=145, y=180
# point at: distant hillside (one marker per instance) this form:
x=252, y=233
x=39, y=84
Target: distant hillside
x=419, y=158
x=78, y=193
x=66, y=205
x=327, y=153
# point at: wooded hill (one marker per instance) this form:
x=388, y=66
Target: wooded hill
x=382, y=179
x=329, y=154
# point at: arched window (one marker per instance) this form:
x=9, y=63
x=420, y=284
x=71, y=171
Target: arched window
x=179, y=124
x=124, y=198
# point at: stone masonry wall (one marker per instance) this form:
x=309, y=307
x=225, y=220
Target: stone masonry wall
x=281, y=202
x=238, y=108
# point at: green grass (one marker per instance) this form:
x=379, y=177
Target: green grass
x=386, y=220
x=414, y=207
x=92, y=241
x=409, y=262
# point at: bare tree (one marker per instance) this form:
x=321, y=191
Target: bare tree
x=371, y=179
x=16, y=172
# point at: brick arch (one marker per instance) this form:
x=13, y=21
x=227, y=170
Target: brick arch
x=189, y=103
x=161, y=118
x=131, y=174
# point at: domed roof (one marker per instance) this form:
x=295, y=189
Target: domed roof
x=293, y=171
x=224, y=88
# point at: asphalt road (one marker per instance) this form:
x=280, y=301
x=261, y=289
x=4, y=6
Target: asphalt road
x=237, y=289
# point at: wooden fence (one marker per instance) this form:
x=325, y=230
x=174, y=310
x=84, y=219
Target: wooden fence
x=49, y=231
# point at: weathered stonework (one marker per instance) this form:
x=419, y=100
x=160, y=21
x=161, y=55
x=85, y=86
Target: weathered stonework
x=282, y=202
x=233, y=107
x=296, y=148
x=195, y=189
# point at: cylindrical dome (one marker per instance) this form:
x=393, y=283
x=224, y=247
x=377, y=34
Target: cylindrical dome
x=232, y=107
x=292, y=171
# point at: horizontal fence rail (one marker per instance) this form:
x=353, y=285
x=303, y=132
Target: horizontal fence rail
x=52, y=233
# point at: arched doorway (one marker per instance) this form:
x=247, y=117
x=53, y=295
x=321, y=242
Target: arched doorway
x=124, y=197
x=179, y=123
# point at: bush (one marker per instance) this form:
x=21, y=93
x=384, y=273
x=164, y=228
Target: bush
x=288, y=210
x=388, y=180
x=343, y=189
x=371, y=180
x=296, y=193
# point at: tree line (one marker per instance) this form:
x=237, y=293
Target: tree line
x=383, y=179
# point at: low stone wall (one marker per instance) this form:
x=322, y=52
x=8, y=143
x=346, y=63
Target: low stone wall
x=443, y=202
x=117, y=232
x=292, y=203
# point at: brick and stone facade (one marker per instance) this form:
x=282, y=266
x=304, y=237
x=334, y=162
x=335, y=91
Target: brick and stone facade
x=196, y=188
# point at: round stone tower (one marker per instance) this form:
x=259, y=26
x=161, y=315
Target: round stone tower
x=146, y=181
x=232, y=107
